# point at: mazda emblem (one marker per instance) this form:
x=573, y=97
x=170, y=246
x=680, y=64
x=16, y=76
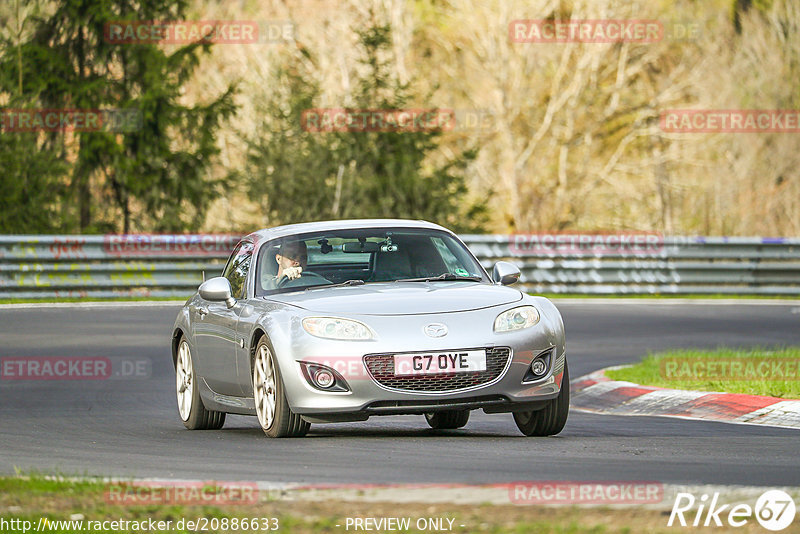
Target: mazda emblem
x=435, y=330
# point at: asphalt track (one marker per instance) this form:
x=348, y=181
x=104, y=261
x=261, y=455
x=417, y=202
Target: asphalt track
x=129, y=426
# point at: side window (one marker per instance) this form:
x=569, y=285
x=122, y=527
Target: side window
x=456, y=258
x=450, y=260
x=237, y=268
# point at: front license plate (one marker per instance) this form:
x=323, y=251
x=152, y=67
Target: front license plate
x=434, y=363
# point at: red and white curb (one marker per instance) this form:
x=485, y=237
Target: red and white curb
x=599, y=394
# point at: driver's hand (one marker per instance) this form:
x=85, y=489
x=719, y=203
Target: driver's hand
x=293, y=272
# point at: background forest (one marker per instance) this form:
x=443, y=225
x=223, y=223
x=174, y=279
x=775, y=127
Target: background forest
x=549, y=137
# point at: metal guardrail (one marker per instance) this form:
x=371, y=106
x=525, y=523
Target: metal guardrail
x=672, y=265
x=39, y=266
x=47, y=266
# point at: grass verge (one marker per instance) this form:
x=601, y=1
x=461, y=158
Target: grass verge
x=33, y=498
x=666, y=296
x=92, y=299
x=761, y=371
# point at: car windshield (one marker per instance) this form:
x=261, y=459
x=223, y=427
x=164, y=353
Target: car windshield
x=363, y=256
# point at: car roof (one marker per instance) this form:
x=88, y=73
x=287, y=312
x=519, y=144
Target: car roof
x=323, y=226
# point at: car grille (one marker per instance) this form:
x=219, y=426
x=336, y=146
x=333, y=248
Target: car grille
x=381, y=367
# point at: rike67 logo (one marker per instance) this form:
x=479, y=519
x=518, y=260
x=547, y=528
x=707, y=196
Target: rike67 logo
x=774, y=510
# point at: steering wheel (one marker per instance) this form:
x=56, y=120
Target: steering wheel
x=307, y=278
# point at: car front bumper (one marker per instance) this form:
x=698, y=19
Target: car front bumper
x=509, y=391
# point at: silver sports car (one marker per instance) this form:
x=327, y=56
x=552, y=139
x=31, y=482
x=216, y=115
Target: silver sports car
x=338, y=321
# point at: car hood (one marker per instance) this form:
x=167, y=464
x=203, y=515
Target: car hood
x=400, y=298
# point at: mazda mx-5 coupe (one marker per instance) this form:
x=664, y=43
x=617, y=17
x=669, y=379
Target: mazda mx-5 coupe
x=342, y=320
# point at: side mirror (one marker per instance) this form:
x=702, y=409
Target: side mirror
x=217, y=289
x=505, y=273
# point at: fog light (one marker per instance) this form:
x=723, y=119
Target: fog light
x=538, y=367
x=323, y=378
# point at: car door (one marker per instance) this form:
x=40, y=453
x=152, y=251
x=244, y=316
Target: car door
x=215, y=330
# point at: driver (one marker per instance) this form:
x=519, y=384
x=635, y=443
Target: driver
x=292, y=258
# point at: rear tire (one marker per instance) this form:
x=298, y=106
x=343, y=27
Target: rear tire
x=272, y=409
x=194, y=415
x=448, y=420
x=551, y=419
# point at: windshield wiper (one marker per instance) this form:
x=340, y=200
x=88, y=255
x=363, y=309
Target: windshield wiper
x=314, y=286
x=444, y=277
x=354, y=282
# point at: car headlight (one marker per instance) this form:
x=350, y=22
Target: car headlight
x=516, y=319
x=334, y=328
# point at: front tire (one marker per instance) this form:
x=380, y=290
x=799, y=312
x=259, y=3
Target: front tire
x=272, y=409
x=190, y=407
x=551, y=419
x=448, y=420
